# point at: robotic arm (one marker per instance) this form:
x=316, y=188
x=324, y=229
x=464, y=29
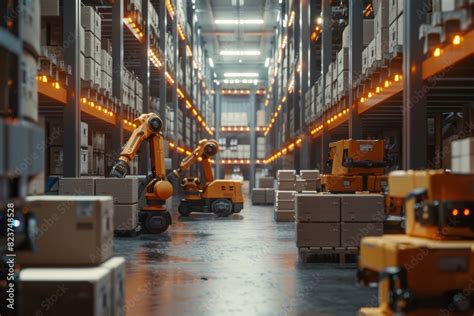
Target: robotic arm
x=148, y=128
x=205, y=150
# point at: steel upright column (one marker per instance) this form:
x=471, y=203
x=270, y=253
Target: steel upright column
x=414, y=94
x=162, y=17
x=326, y=57
x=355, y=63
x=217, y=110
x=174, y=58
x=117, y=71
x=144, y=163
x=304, y=23
x=72, y=111
x=253, y=141
x=297, y=92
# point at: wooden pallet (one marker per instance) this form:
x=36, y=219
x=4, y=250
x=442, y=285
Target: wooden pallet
x=339, y=255
x=127, y=233
x=262, y=204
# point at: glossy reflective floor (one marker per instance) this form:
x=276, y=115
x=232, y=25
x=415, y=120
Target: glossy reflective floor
x=242, y=265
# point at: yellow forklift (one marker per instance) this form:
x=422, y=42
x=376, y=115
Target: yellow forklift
x=222, y=197
x=154, y=218
x=429, y=270
x=356, y=165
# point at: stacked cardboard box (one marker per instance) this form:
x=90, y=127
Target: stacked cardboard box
x=284, y=206
x=381, y=30
x=395, y=17
x=312, y=179
x=80, y=224
x=266, y=183
x=258, y=196
x=125, y=198
x=91, y=22
x=77, y=186
x=286, y=180
x=462, y=155
x=330, y=220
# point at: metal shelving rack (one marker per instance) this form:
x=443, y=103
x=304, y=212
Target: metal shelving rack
x=438, y=65
x=129, y=49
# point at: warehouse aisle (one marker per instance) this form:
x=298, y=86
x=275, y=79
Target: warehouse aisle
x=245, y=264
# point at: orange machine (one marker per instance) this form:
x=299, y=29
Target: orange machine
x=429, y=270
x=222, y=197
x=154, y=217
x=356, y=165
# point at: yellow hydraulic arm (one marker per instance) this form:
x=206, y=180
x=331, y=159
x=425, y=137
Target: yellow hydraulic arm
x=148, y=128
x=204, y=151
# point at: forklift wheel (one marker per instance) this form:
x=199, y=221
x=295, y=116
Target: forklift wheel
x=222, y=207
x=183, y=209
x=157, y=222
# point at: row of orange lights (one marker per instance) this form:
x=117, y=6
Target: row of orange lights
x=183, y=150
x=285, y=150
x=130, y=123
x=134, y=26
x=275, y=115
x=240, y=129
x=235, y=91
x=155, y=59
x=456, y=212
x=44, y=79
x=198, y=116
x=337, y=116
x=189, y=51
x=181, y=33
x=96, y=106
x=316, y=129
x=387, y=83
x=169, y=78
x=239, y=161
x=170, y=8
x=456, y=41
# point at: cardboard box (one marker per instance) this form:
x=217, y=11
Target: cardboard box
x=285, y=195
x=284, y=216
x=89, y=69
x=318, y=235
x=371, y=54
x=77, y=186
x=72, y=230
x=362, y=208
x=65, y=291
x=266, y=182
x=343, y=83
x=317, y=207
x=82, y=40
x=466, y=146
x=84, y=164
x=352, y=233
x=82, y=65
x=365, y=60
x=91, y=21
x=286, y=185
x=313, y=185
x=343, y=60
x=310, y=174
x=97, y=74
x=282, y=205
x=84, y=134
x=106, y=62
x=300, y=185
x=105, y=82
x=258, y=196
x=30, y=22
x=463, y=164
x=90, y=46
x=123, y=191
x=286, y=175
x=116, y=266
x=270, y=196
x=382, y=44
x=29, y=87
x=125, y=217
x=392, y=11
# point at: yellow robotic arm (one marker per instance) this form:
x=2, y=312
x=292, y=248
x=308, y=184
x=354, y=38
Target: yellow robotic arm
x=205, y=150
x=148, y=128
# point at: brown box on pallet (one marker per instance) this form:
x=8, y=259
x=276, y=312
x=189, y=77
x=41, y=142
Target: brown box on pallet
x=310, y=174
x=315, y=207
x=285, y=205
x=270, y=196
x=286, y=185
x=362, y=208
x=72, y=230
x=123, y=190
x=125, y=217
x=300, y=185
x=77, y=186
x=286, y=175
x=284, y=216
x=352, y=233
x=313, y=185
x=265, y=183
x=258, y=196
x=285, y=195
x=318, y=235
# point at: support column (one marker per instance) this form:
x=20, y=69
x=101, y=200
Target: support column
x=72, y=110
x=117, y=73
x=162, y=17
x=218, y=110
x=326, y=57
x=414, y=92
x=144, y=163
x=356, y=24
x=304, y=24
x=253, y=141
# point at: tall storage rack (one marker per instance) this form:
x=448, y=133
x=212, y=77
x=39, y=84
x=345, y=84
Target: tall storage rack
x=140, y=33
x=418, y=82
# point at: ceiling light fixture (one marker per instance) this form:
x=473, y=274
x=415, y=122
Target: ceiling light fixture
x=211, y=62
x=241, y=22
x=267, y=62
x=240, y=52
x=241, y=74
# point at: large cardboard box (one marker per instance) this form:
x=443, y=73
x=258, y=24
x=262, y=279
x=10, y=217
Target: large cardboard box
x=309, y=174
x=318, y=235
x=286, y=175
x=84, y=134
x=270, y=196
x=343, y=60
x=284, y=216
x=317, y=207
x=123, y=191
x=72, y=230
x=286, y=185
x=116, y=265
x=352, y=233
x=300, y=185
x=362, y=208
x=285, y=195
x=125, y=217
x=77, y=186
x=30, y=22
x=266, y=182
x=285, y=205
x=65, y=291
x=258, y=196
x=56, y=161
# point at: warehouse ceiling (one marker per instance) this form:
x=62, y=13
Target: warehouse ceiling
x=238, y=36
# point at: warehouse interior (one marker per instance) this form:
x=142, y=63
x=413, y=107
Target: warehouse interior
x=237, y=157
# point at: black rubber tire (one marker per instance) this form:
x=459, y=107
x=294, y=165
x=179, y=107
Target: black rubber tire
x=183, y=209
x=157, y=223
x=222, y=207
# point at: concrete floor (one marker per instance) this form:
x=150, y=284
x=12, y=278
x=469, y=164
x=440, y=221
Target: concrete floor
x=246, y=264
